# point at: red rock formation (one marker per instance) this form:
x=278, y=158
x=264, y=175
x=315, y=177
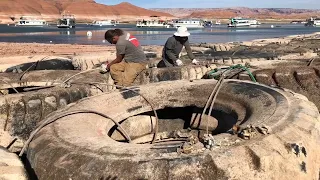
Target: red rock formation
x=225, y=13
x=89, y=10
x=36, y=7
x=82, y=9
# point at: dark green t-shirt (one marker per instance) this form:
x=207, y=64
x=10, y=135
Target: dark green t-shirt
x=130, y=47
x=172, y=49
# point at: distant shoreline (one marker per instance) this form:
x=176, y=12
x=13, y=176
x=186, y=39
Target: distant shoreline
x=222, y=20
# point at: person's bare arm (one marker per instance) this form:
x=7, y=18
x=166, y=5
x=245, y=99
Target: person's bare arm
x=117, y=60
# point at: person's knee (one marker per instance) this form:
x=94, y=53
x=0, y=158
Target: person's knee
x=114, y=68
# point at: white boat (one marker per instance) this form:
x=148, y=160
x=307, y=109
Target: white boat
x=104, y=23
x=313, y=21
x=218, y=22
x=188, y=23
x=243, y=22
x=207, y=23
x=31, y=22
x=152, y=24
x=67, y=21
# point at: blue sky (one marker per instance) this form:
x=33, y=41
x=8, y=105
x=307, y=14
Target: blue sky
x=305, y=4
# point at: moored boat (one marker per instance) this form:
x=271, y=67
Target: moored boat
x=313, y=21
x=154, y=23
x=188, y=23
x=30, y=22
x=208, y=24
x=243, y=22
x=104, y=23
x=67, y=21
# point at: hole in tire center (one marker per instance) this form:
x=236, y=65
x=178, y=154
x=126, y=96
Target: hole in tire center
x=175, y=124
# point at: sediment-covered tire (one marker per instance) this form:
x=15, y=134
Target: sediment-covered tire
x=153, y=75
x=45, y=78
x=79, y=146
x=11, y=167
x=20, y=113
x=303, y=80
x=52, y=64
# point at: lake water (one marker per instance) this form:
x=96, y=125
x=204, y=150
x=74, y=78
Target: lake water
x=217, y=34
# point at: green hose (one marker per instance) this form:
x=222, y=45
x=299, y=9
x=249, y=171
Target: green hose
x=238, y=66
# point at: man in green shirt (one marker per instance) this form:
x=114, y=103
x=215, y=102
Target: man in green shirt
x=173, y=48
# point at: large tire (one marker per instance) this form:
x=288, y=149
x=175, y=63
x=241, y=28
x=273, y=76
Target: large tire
x=302, y=79
x=19, y=113
x=78, y=146
x=52, y=64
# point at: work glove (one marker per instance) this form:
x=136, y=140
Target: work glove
x=104, y=68
x=179, y=62
x=195, y=62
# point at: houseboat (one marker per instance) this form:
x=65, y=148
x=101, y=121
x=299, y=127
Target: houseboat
x=31, y=22
x=313, y=21
x=208, y=24
x=152, y=24
x=104, y=23
x=243, y=22
x=67, y=21
x=188, y=23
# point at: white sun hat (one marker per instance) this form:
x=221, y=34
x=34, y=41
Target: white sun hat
x=182, y=32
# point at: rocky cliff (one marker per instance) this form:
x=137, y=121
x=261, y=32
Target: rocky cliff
x=82, y=9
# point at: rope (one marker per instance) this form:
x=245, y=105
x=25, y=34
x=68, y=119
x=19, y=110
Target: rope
x=82, y=72
x=35, y=63
x=213, y=96
x=212, y=103
x=10, y=85
x=209, y=100
x=11, y=143
x=310, y=61
x=238, y=66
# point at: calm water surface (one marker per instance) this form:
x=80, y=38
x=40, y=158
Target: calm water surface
x=217, y=34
